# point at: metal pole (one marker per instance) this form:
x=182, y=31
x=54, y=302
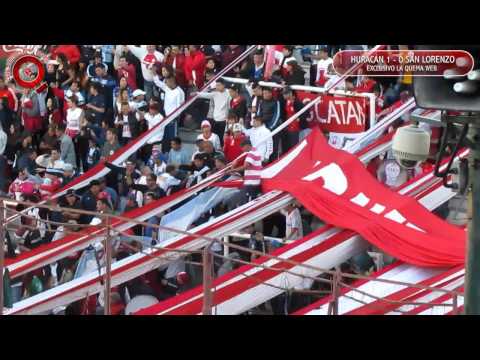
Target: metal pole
x=207, y=281
x=472, y=277
x=108, y=266
x=2, y=251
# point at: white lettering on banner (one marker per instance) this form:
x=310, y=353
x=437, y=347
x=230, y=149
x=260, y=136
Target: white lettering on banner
x=343, y=113
x=334, y=178
x=335, y=181
x=360, y=199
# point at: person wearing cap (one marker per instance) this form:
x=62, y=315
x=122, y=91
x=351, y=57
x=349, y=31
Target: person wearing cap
x=198, y=169
x=232, y=144
x=148, y=56
x=71, y=201
x=237, y=103
x=68, y=174
x=252, y=168
x=221, y=104
x=208, y=135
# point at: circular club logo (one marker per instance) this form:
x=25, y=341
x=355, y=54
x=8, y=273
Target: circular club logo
x=28, y=72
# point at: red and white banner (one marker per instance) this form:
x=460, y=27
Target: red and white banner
x=338, y=114
x=336, y=187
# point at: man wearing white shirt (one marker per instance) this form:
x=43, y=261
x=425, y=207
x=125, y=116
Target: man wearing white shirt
x=148, y=56
x=294, y=227
x=174, y=97
x=322, y=67
x=258, y=133
x=221, y=105
x=153, y=117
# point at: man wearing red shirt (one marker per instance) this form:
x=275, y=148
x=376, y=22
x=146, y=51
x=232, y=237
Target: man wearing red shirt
x=232, y=143
x=291, y=107
x=9, y=94
x=194, y=66
x=177, y=60
x=127, y=71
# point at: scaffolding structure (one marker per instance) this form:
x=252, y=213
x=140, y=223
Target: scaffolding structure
x=336, y=282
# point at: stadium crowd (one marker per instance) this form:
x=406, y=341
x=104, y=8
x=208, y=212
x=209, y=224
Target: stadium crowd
x=102, y=97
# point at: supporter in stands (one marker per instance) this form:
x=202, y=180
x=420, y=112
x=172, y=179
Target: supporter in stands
x=269, y=110
x=221, y=105
x=207, y=135
x=295, y=74
x=294, y=226
x=174, y=98
x=89, y=201
x=322, y=66
x=67, y=149
x=151, y=187
x=153, y=117
x=111, y=145
x=194, y=66
x=257, y=95
x=126, y=124
x=93, y=154
x=198, y=170
x=148, y=56
x=237, y=103
x=96, y=104
x=177, y=154
x=127, y=71
x=291, y=107
x=232, y=144
x=261, y=139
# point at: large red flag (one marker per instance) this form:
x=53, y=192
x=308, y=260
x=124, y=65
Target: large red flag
x=336, y=187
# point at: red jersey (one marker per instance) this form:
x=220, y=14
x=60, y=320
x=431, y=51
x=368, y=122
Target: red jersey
x=12, y=99
x=194, y=68
x=129, y=73
x=232, y=148
x=294, y=126
x=178, y=64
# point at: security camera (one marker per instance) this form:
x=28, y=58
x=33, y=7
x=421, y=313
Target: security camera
x=411, y=146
